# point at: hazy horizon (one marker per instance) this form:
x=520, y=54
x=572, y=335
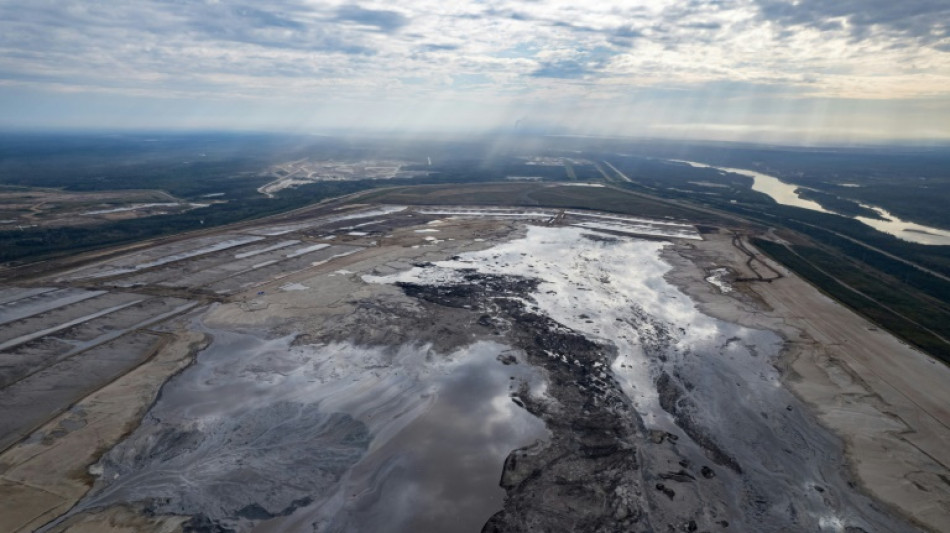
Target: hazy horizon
x=810, y=72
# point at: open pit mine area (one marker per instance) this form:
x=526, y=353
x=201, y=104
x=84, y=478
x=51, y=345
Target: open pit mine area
x=398, y=368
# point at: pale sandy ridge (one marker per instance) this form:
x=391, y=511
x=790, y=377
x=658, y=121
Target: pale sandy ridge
x=45, y=476
x=888, y=401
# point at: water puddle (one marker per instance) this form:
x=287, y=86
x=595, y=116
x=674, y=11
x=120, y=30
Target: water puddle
x=767, y=451
x=262, y=436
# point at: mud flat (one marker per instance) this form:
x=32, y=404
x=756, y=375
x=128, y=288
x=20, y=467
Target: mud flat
x=887, y=401
x=474, y=370
x=160, y=255
x=661, y=415
x=45, y=475
x=340, y=436
x=63, y=344
x=19, y=303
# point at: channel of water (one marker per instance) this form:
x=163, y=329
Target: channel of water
x=785, y=194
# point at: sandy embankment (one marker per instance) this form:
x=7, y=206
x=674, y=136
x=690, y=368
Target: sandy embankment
x=46, y=475
x=888, y=402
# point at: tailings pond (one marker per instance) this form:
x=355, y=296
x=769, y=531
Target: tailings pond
x=260, y=435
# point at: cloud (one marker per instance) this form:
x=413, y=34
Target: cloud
x=581, y=64
x=628, y=31
x=266, y=19
x=566, y=69
x=703, y=25
x=923, y=21
x=281, y=25
x=483, y=56
x=383, y=20
x=440, y=47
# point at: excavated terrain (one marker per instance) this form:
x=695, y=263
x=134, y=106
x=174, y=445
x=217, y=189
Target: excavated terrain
x=438, y=369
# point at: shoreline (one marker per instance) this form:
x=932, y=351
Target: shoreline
x=862, y=386
x=880, y=396
x=47, y=476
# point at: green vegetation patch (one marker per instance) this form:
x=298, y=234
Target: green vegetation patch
x=42, y=243
x=891, y=305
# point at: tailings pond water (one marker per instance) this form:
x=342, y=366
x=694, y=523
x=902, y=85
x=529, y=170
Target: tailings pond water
x=260, y=435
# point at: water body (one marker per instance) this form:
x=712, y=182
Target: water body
x=789, y=473
x=785, y=194
x=262, y=436
x=909, y=231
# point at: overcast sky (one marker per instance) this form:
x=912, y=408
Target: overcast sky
x=770, y=70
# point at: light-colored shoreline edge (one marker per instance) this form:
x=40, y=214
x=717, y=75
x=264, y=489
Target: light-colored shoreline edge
x=887, y=401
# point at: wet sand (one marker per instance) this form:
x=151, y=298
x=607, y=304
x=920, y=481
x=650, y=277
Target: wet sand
x=432, y=417
x=46, y=475
x=886, y=400
x=351, y=438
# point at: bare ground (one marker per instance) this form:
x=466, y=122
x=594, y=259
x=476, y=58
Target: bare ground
x=43, y=477
x=888, y=401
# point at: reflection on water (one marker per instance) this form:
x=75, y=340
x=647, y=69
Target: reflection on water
x=259, y=435
x=785, y=194
x=779, y=191
x=909, y=231
x=442, y=471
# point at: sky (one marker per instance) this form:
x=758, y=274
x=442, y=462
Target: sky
x=793, y=71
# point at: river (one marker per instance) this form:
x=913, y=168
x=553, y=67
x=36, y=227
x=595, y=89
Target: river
x=785, y=194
